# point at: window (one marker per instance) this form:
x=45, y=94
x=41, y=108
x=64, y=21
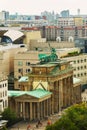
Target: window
x=0, y=86
x=78, y=68
x=81, y=67
x=78, y=75
x=5, y=93
x=19, y=77
x=20, y=70
x=20, y=63
x=78, y=61
x=85, y=73
x=81, y=74
x=27, y=63
x=74, y=62
x=0, y=94
x=5, y=103
x=84, y=60
x=81, y=61
x=27, y=70
x=85, y=66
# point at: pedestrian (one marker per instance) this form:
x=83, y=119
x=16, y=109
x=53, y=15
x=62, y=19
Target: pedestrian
x=49, y=122
x=28, y=127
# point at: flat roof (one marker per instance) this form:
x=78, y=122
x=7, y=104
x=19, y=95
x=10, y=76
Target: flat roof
x=23, y=79
x=76, y=80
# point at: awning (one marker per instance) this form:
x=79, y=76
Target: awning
x=13, y=34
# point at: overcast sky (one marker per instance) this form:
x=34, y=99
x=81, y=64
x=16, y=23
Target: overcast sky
x=38, y=6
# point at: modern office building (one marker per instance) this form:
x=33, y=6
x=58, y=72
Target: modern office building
x=65, y=13
x=4, y=15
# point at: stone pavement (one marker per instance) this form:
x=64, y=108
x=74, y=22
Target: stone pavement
x=23, y=124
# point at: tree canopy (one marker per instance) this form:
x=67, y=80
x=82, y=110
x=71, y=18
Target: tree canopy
x=73, y=118
x=9, y=115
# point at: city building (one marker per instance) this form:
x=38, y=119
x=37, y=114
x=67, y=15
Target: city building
x=46, y=90
x=84, y=96
x=65, y=13
x=65, y=33
x=22, y=64
x=4, y=15
x=79, y=64
x=81, y=42
x=31, y=35
x=3, y=93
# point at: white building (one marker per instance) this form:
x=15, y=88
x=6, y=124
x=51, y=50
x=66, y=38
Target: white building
x=3, y=94
x=79, y=64
x=84, y=96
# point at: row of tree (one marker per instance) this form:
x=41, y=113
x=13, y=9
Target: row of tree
x=73, y=118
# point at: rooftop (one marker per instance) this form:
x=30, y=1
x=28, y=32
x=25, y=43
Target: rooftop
x=38, y=93
x=23, y=79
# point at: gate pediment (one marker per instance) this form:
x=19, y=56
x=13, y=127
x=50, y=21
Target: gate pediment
x=26, y=97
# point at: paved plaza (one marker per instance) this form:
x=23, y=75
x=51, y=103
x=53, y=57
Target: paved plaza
x=24, y=124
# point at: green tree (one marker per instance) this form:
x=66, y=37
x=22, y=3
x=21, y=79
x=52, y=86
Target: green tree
x=9, y=115
x=74, y=118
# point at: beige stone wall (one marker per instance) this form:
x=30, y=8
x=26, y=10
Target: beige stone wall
x=45, y=45
x=7, y=60
x=12, y=53
x=31, y=35
x=4, y=63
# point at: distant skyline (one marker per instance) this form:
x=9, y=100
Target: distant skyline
x=35, y=7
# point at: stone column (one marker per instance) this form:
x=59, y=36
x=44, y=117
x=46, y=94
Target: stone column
x=16, y=107
x=49, y=106
x=44, y=109
x=65, y=83
x=69, y=90
x=56, y=96
x=41, y=110
x=30, y=110
x=24, y=110
x=21, y=109
x=34, y=115
x=52, y=104
x=27, y=110
x=60, y=95
x=38, y=110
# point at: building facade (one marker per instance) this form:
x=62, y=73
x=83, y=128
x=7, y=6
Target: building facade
x=45, y=91
x=63, y=32
x=3, y=94
x=79, y=64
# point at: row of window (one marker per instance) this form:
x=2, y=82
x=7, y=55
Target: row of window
x=80, y=74
x=21, y=70
x=4, y=105
x=80, y=61
x=3, y=85
x=3, y=94
x=80, y=67
x=20, y=63
x=84, y=98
